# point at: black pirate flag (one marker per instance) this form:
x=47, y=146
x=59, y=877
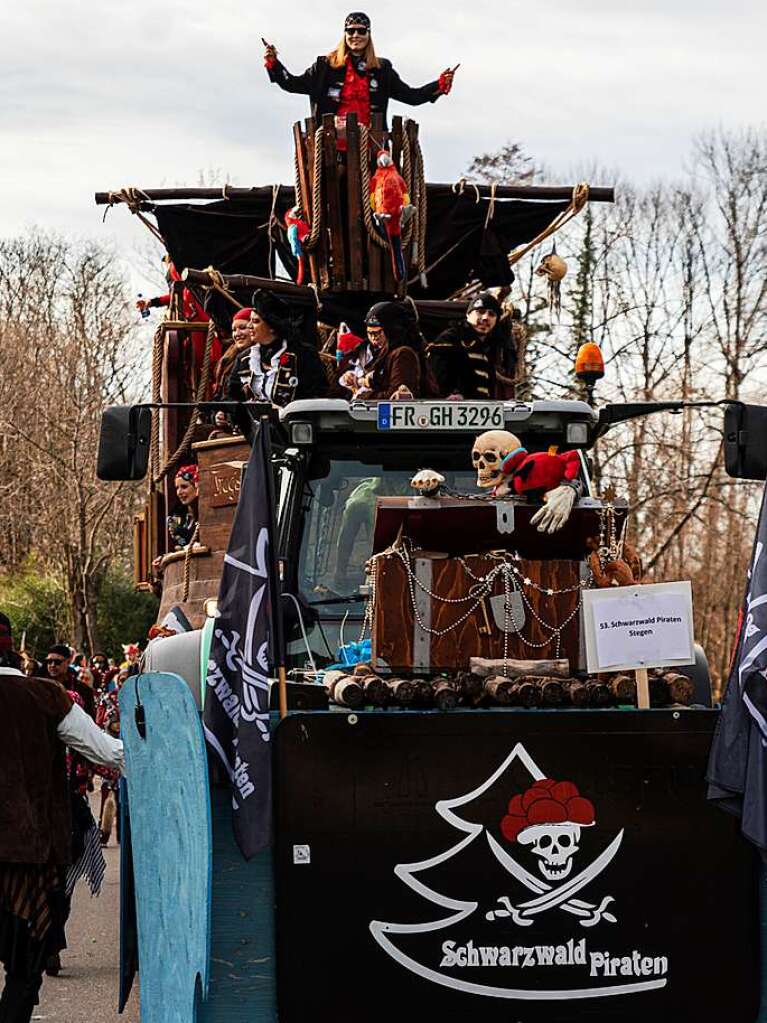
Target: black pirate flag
x=738, y=762
x=246, y=644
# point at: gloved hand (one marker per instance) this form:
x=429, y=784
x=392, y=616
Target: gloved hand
x=446, y=81
x=270, y=56
x=556, y=511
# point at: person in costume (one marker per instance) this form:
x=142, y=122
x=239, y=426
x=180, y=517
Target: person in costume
x=353, y=79
x=38, y=721
x=193, y=310
x=475, y=358
x=183, y=522
x=277, y=368
x=395, y=367
x=242, y=339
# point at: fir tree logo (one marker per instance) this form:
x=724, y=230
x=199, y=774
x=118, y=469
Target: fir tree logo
x=543, y=825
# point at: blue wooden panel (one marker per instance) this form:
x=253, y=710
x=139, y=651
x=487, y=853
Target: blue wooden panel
x=242, y=982
x=171, y=835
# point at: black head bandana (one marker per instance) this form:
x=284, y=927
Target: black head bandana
x=357, y=18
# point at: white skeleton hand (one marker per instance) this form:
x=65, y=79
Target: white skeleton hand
x=556, y=511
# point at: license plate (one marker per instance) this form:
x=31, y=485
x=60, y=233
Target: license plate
x=445, y=415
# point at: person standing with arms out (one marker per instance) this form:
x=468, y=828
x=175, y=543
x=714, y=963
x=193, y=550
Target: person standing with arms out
x=38, y=720
x=353, y=79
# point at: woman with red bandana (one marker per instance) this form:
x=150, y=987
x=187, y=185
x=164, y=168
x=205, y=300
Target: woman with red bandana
x=352, y=79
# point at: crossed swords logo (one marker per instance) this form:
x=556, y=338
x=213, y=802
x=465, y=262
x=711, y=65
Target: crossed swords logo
x=548, y=896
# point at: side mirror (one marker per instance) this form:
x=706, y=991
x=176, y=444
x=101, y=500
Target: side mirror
x=745, y=441
x=124, y=442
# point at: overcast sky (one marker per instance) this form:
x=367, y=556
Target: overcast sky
x=96, y=94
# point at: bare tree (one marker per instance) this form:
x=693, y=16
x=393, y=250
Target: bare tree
x=66, y=351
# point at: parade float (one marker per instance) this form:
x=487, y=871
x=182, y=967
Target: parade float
x=489, y=737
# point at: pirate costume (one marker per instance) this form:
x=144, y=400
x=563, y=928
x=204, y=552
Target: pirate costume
x=183, y=523
x=353, y=87
x=37, y=721
x=471, y=364
x=401, y=363
x=279, y=372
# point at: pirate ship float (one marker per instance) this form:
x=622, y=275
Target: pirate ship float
x=462, y=860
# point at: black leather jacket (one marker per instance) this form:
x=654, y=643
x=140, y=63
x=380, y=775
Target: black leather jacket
x=322, y=84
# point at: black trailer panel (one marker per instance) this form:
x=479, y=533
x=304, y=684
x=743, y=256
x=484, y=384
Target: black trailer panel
x=404, y=895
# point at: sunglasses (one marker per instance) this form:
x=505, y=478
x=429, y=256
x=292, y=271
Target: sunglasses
x=53, y=660
x=357, y=30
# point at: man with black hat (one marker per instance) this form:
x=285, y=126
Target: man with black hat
x=352, y=79
x=277, y=368
x=475, y=358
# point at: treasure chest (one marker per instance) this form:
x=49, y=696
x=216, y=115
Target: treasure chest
x=434, y=612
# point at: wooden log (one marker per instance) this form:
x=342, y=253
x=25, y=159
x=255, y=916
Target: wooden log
x=471, y=686
x=249, y=282
x=659, y=696
x=355, y=198
x=346, y=692
x=623, y=689
x=486, y=666
x=599, y=694
x=538, y=192
x=375, y=689
x=362, y=669
x=401, y=691
x=524, y=694
x=305, y=187
x=498, y=689
x=552, y=692
x=333, y=201
x=424, y=697
x=578, y=693
x=444, y=695
x=680, y=688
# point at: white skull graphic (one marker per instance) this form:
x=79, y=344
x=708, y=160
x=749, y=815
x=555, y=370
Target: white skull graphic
x=488, y=452
x=555, y=845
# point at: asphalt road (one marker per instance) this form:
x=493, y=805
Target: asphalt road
x=86, y=989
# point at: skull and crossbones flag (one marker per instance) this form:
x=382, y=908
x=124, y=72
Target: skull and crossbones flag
x=246, y=644
x=737, y=766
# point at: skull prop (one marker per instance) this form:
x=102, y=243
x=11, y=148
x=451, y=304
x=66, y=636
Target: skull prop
x=549, y=818
x=554, y=845
x=488, y=453
x=552, y=266
x=427, y=482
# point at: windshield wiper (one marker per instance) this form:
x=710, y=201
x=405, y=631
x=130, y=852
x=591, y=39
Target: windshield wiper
x=354, y=598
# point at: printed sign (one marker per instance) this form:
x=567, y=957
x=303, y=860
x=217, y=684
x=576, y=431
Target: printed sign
x=638, y=626
x=509, y=867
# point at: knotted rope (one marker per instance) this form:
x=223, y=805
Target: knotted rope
x=579, y=199
x=218, y=284
x=314, y=234
x=188, y=563
x=202, y=391
x=133, y=198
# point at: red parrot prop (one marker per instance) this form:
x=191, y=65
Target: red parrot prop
x=347, y=343
x=391, y=208
x=298, y=232
x=542, y=470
